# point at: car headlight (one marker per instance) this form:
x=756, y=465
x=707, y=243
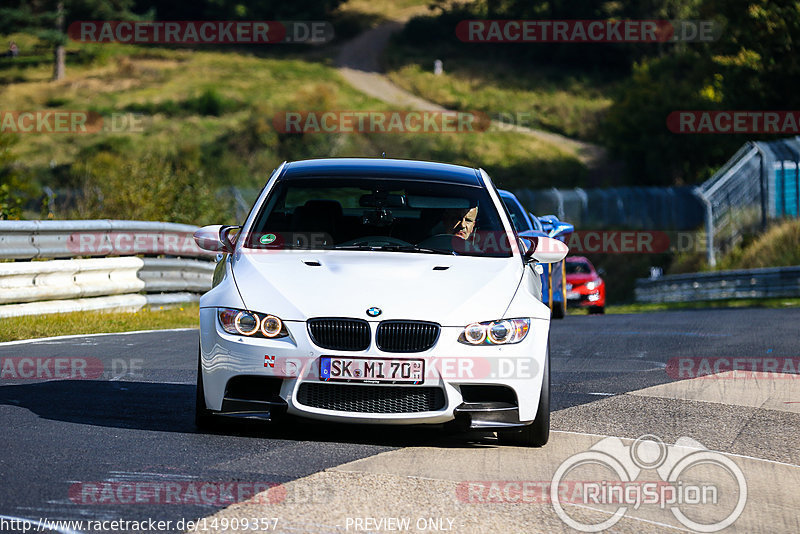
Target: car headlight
x=251, y=324
x=594, y=284
x=500, y=332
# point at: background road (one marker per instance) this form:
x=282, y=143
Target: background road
x=138, y=426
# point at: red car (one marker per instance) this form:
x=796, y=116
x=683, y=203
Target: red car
x=585, y=288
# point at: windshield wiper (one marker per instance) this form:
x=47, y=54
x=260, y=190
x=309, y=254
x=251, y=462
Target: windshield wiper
x=395, y=248
x=357, y=246
x=416, y=248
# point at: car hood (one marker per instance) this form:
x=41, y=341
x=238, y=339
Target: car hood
x=449, y=290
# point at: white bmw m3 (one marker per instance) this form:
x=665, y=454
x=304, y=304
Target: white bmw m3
x=378, y=291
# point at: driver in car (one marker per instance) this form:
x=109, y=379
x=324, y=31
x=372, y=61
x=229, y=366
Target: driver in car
x=459, y=221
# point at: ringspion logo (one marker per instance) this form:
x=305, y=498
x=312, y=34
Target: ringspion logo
x=689, y=477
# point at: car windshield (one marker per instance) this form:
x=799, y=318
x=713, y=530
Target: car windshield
x=537, y=224
x=517, y=215
x=395, y=215
x=578, y=267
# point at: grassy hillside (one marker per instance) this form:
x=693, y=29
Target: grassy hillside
x=554, y=96
x=534, y=96
x=778, y=247
x=206, y=122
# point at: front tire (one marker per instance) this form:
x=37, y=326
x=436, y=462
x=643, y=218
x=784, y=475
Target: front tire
x=203, y=417
x=559, y=309
x=599, y=310
x=537, y=433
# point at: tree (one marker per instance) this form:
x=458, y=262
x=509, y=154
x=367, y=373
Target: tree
x=48, y=19
x=752, y=66
x=10, y=181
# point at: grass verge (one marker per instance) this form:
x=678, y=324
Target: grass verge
x=700, y=305
x=63, y=324
x=185, y=316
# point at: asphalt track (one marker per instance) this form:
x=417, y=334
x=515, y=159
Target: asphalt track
x=133, y=425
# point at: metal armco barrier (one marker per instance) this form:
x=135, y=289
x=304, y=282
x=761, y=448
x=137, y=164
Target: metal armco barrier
x=746, y=283
x=96, y=238
x=33, y=281
x=169, y=274
x=96, y=282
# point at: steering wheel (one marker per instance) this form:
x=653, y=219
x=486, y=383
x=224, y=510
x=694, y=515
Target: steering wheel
x=375, y=241
x=443, y=242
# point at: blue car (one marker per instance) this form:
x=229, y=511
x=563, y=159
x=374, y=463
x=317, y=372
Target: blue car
x=554, y=276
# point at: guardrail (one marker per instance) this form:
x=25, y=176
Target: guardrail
x=739, y=284
x=94, y=281
x=96, y=238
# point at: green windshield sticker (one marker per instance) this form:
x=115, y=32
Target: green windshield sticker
x=266, y=239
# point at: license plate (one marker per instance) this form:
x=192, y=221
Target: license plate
x=371, y=371
x=573, y=295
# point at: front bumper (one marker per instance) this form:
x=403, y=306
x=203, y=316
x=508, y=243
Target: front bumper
x=583, y=298
x=476, y=386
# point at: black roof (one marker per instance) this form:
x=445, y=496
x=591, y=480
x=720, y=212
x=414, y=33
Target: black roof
x=382, y=168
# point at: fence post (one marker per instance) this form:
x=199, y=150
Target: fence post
x=560, y=200
x=584, y=204
x=709, y=220
x=762, y=185
x=797, y=188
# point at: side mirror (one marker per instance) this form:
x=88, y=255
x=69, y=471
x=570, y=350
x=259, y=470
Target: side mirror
x=601, y=272
x=561, y=228
x=544, y=250
x=217, y=238
x=554, y=227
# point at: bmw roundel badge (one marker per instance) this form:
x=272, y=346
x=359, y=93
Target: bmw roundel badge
x=374, y=311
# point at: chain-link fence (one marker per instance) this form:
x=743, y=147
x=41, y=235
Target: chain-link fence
x=761, y=182
x=640, y=208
